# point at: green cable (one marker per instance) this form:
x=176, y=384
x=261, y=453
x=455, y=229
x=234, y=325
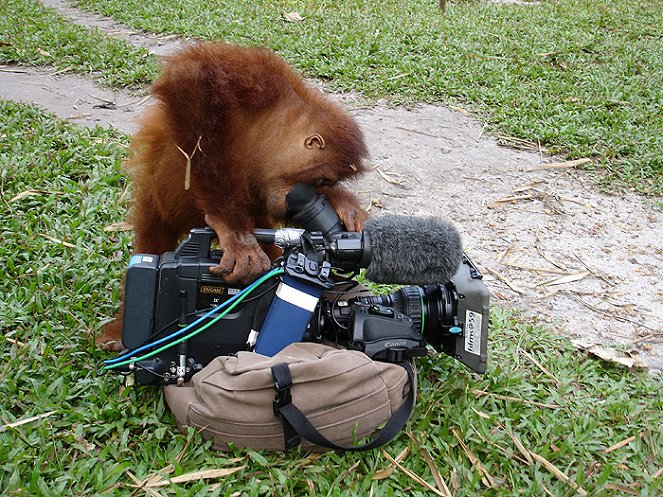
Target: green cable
x=199, y=330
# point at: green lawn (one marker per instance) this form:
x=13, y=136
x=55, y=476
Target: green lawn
x=580, y=77
x=544, y=417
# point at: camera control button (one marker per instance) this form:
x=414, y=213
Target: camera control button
x=381, y=310
x=312, y=268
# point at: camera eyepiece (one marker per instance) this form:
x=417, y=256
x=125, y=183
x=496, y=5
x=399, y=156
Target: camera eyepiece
x=312, y=211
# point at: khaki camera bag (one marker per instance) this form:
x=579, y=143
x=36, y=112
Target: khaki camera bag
x=310, y=394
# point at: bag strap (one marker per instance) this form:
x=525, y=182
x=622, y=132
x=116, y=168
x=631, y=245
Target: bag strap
x=296, y=424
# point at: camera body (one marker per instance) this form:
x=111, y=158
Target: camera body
x=165, y=293
x=306, y=297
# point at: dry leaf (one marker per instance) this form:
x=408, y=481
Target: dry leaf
x=384, y=473
x=622, y=489
x=414, y=476
x=480, y=393
x=292, y=16
x=487, y=479
x=613, y=356
x=505, y=280
x=25, y=194
x=534, y=269
x=205, y=474
x=149, y=491
x=26, y=420
x=621, y=444
x=558, y=473
x=561, y=165
x=569, y=278
x=57, y=240
x=519, y=445
x=388, y=471
x=435, y=472
x=540, y=366
x=119, y=226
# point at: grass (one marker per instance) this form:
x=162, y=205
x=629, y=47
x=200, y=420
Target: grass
x=61, y=188
x=31, y=34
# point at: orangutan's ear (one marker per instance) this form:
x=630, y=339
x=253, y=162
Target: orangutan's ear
x=315, y=141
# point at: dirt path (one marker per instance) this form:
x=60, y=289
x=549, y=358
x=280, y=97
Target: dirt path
x=588, y=263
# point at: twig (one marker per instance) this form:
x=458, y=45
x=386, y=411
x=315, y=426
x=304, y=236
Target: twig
x=483, y=128
x=557, y=473
x=487, y=479
x=529, y=186
x=44, y=87
x=399, y=76
x=389, y=179
x=569, y=278
x=16, y=71
x=187, y=173
x=15, y=342
x=621, y=444
x=540, y=366
x=560, y=165
x=25, y=421
x=536, y=269
x=60, y=71
x=505, y=200
x=612, y=314
x=416, y=131
x=549, y=258
x=504, y=279
x=414, y=476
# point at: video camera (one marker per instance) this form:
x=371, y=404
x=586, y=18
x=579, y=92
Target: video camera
x=178, y=316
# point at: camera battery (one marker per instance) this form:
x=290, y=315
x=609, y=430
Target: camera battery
x=139, y=299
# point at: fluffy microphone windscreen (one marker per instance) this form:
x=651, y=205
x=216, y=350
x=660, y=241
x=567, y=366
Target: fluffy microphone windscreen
x=412, y=251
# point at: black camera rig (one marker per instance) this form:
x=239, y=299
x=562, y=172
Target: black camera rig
x=178, y=316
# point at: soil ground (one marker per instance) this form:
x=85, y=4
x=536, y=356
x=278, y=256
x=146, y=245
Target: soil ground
x=548, y=242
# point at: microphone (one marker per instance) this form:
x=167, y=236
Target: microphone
x=394, y=249
x=411, y=250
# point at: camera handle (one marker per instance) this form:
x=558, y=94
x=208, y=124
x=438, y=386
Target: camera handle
x=291, y=309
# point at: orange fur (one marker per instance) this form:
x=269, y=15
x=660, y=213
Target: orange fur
x=251, y=128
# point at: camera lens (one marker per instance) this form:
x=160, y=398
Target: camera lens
x=432, y=308
x=408, y=300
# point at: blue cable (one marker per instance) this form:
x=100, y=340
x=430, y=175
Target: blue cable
x=218, y=308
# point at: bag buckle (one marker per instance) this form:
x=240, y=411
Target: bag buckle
x=282, y=398
x=282, y=384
